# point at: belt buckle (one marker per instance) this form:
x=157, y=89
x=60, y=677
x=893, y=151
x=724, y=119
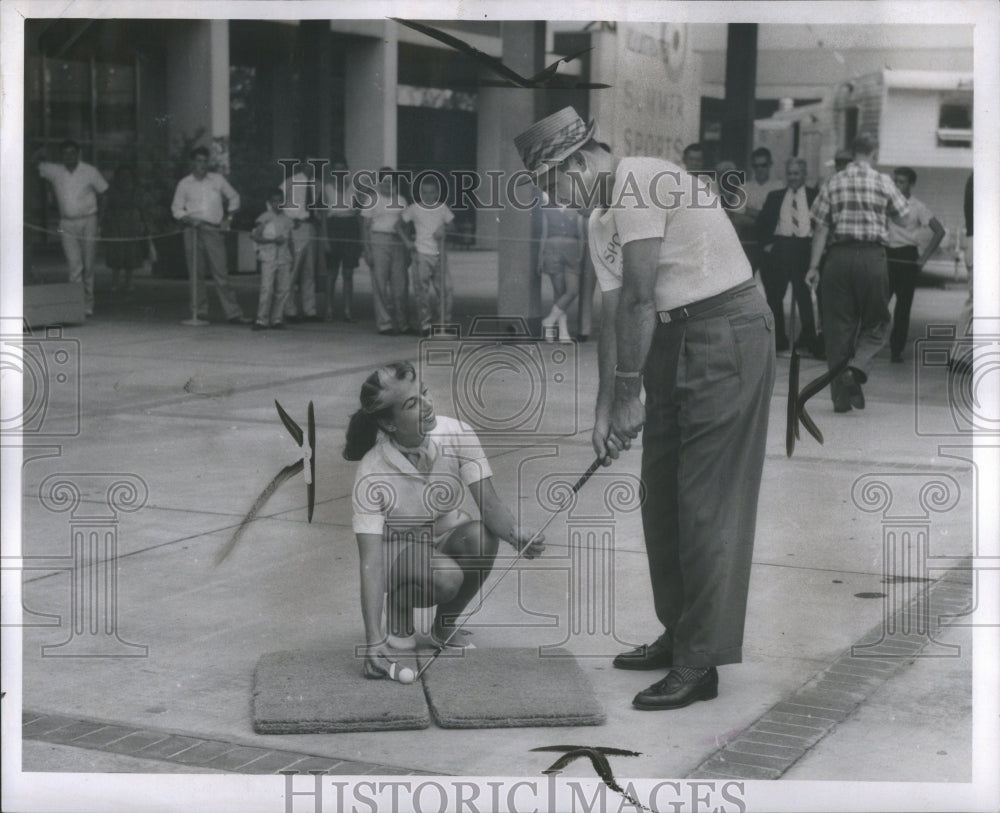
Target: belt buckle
x=666, y=317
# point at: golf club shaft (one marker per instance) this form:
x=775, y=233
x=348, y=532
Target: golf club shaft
x=569, y=498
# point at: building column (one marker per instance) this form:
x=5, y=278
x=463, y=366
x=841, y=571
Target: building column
x=489, y=121
x=312, y=89
x=198, y=85
x=370, y=100
x=741, y=91
x=519, y=287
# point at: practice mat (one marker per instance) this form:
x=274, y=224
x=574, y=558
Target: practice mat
x=324, y=692
x=510, y=688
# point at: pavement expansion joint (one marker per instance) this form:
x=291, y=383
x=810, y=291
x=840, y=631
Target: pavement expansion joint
x=789, y=729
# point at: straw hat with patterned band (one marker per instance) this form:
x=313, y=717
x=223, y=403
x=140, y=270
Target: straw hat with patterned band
x=546, y=143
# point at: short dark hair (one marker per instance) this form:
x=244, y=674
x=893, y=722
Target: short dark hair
x=762, y=152
x=200, y=151
x=906, y=172
x=67, y=144
x=697, y=146
x=863, y=145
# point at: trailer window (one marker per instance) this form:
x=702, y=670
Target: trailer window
x=955, y=121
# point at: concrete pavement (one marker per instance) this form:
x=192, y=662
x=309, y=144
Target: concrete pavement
x=186, y=414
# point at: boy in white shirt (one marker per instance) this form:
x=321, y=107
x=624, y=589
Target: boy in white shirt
x=430, y=218
x=272, y=233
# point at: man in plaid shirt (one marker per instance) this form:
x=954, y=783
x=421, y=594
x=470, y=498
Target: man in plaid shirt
x=852, y=211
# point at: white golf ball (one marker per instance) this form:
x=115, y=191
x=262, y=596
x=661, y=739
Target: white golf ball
x=406, y=675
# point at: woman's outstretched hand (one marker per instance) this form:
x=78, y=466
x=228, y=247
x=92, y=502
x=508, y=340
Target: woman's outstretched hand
x=377, y=660
x=522, y=536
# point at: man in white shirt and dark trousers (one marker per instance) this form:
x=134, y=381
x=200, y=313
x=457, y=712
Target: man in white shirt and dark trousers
x=77, y=186
x=904, y=258
x=300, y=195
x=385, y=252
x=785, y=226
x=683, y=319
x=205, y=202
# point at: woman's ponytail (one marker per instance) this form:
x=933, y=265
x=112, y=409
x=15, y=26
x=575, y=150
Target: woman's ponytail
x=361, y=434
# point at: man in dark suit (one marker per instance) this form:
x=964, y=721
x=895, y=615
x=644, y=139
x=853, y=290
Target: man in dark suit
x=784, y=225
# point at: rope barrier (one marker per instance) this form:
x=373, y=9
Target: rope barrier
x=313, y=239
x=209, y=227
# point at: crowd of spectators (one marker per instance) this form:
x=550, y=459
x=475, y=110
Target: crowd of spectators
x=403, y=243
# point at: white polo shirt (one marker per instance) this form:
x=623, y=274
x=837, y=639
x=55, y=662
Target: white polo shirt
x=911, y=232
x=427, y=220
x=202, y=199
x=299, y=194
x=76, y=191
x=388, y=488
x=757, y=192
x=383, y=213
x=700, y=253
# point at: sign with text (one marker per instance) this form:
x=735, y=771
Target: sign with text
x=652, y=107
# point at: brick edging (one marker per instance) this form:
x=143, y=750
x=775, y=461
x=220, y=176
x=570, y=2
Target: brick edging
x=781, y=736
x=190, y=751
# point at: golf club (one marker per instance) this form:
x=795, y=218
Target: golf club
x=566, y=503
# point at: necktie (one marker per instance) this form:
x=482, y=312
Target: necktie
x=796, y=231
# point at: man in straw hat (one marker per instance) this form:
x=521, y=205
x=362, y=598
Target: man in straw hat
x=682, y=318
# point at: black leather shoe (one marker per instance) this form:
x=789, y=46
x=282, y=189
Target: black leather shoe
x=657, y=655
x=852, y=384
x=675, y=692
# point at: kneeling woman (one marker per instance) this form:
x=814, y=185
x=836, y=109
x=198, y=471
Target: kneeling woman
x=420, y=485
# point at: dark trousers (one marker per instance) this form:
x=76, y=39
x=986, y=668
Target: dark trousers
x=708, y=389
x=855, y=307
x=903, y=273
x=789, y=262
